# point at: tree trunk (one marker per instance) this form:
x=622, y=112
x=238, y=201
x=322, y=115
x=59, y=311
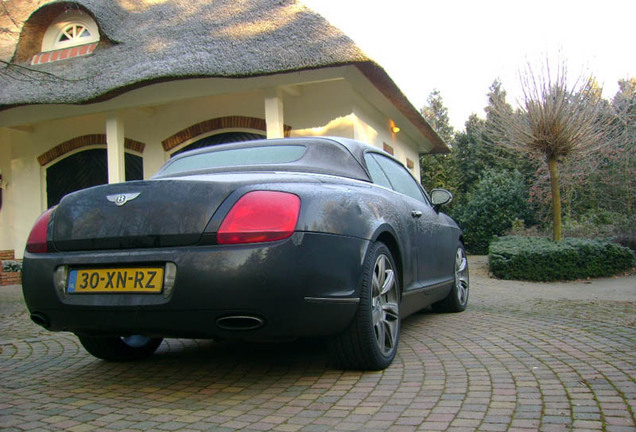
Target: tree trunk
x=628, y=186
x=556, y=199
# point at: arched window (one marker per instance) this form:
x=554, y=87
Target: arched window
x=73, y=34
x=69, y=29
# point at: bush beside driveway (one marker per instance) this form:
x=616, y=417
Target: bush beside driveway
x=524, y=356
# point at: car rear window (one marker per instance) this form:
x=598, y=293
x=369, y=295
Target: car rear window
x=262, y=155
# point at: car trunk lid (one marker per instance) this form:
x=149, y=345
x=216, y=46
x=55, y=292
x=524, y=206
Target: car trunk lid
x=158, y=213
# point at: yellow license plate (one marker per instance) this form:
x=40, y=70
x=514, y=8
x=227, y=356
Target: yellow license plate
x=122, y=280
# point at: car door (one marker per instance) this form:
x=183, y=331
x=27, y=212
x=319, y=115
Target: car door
x=408, y=226
x=431, y=229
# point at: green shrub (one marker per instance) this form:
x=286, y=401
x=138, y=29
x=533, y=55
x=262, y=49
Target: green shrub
x=499, y=199
x=604, y=224
x=11, y=266
x=597, y=223
x=541, y=259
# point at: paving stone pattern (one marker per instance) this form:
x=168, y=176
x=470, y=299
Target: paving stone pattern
x=517, y=360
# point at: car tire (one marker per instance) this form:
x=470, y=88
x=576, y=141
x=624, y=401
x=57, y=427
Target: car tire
x=457, y=299
x=371, y=340
x=113, y=348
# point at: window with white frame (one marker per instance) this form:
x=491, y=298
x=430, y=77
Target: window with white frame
x=71, y=28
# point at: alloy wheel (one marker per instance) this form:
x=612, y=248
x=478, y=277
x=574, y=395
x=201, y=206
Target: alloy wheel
x=461, y=276
x=385, y=305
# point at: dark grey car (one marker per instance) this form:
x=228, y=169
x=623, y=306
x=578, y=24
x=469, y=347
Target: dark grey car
x=260, y=240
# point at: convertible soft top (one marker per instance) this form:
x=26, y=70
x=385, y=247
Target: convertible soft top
x=330, y=156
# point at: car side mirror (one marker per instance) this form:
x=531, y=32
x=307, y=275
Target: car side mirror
x=440, y=197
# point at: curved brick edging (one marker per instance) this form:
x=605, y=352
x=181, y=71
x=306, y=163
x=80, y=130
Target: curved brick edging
x=84, y=141
x=218, y=123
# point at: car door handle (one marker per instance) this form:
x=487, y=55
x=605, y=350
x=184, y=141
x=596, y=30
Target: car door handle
x=416, y=214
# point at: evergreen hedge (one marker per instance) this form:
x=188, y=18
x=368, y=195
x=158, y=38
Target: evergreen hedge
x=542, y=260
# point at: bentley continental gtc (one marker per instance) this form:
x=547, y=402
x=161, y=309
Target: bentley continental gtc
x=259, y=240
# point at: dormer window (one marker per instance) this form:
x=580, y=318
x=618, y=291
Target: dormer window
x=71, y=28
x=72, y=34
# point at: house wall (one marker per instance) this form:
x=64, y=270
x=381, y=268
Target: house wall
x=153, y=125
x=329, y=107
x=342, y=111
x=374, y=127
x=6, y=218
x=321, y=109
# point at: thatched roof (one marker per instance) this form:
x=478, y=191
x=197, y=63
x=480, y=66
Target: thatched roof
x=147, y=41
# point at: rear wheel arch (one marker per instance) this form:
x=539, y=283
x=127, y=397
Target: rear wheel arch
x=370, y=341
x=391, y=243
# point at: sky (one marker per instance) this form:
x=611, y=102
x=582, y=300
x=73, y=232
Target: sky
x=460, y=47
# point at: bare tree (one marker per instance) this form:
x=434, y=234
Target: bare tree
x=554, y=120
x=624, y=110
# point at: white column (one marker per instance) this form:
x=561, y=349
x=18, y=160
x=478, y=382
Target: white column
x=274, y=113
x=115, y=148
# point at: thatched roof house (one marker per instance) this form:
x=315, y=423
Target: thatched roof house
x=176, y=40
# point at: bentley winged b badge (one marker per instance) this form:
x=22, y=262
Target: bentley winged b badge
x=122, y=199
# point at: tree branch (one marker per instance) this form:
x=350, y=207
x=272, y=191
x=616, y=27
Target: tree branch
x=26, y=68
x=6, y=12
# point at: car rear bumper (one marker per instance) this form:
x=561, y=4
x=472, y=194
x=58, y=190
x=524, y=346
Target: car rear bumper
x=306, y=285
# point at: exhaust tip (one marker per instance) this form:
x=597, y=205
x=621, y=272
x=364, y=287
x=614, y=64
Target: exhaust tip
x=240, y=322
x=41, y=319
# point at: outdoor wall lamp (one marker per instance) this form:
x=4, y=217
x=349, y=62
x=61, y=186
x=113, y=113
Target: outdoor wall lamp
x=395, y=129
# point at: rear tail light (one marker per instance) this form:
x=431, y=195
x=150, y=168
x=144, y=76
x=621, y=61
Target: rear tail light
x=260, y=216
x=37, y=239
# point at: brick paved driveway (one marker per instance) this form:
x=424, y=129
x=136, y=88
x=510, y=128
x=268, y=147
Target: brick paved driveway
x=525, y=357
